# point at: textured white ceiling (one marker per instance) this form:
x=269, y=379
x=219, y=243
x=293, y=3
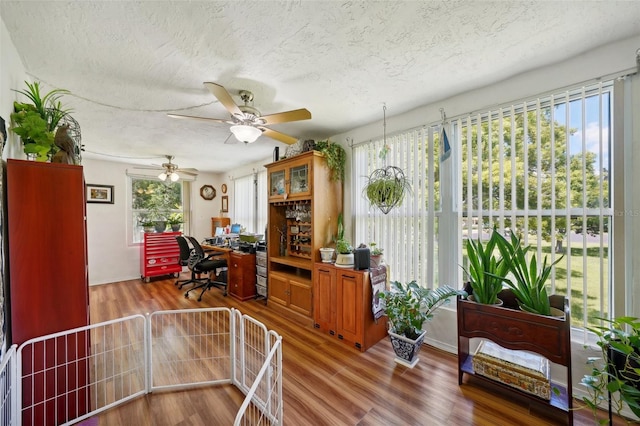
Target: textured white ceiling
x=129, y=63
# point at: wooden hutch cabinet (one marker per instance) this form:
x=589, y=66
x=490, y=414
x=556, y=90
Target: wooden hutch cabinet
x=304, y=204
x=342, y=306
x=219, y=222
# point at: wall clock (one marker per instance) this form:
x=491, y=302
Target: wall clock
x=224, y=188
x=208, y=192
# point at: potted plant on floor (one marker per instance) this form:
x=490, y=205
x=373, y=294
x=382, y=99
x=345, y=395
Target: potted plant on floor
x=486, y=272
x=530, y=278
x=616, y=374
x=407, y=307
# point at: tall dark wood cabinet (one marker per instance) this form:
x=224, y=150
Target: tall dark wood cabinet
x=47, y=257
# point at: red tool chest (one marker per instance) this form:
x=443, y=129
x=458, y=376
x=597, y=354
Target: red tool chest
x=159, y=255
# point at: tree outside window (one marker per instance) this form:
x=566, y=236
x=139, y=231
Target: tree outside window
x=153, y=201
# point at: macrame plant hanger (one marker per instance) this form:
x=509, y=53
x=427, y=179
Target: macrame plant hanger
x=386, y=186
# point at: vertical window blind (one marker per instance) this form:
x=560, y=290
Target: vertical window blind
x=540, y=168
x=408, y=233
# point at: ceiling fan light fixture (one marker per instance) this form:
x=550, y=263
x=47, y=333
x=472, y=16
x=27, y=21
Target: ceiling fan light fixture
x=246, y=134
x=162, y=176
x=174, y=176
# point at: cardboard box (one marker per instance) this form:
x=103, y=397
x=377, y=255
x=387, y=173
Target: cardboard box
x=523, y=370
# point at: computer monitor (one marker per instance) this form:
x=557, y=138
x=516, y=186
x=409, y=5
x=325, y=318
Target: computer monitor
x=219, y=231
x=235, y=228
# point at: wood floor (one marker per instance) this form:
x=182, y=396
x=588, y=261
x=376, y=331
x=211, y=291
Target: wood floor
x=325, y=382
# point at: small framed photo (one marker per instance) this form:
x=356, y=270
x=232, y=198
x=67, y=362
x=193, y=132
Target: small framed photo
x=99, y=193
x=225, y=204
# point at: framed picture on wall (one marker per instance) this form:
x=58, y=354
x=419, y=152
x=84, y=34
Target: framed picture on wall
x=225, y=204
x=99, y=193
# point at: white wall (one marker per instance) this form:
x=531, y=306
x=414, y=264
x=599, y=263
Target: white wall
x=111, y=256
x=12, y=76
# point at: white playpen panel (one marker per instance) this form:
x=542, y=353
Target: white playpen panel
x=70, y=376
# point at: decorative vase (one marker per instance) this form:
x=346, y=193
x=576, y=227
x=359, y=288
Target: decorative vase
x=326, y=254
x=406, y=349
x=175, y=227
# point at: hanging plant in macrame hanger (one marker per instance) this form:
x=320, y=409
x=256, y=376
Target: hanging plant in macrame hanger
x=386, y=186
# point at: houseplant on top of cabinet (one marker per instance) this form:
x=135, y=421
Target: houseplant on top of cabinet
x=335, y=156
x=407, y=307
x=376, y=254
x=175, y=220
x=486, y=272
x=343, y=246
x=618, y=370
x=36, y=122
x=529, y=285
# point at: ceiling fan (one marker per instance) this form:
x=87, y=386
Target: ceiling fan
x=169, y=170
x=247, y=124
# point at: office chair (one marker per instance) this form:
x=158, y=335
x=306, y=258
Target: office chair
x=185, y=254
x=199, y=263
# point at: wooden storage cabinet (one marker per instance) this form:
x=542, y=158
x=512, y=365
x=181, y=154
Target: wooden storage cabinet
x=159, y=255
x=342, y=306
x=304, y=204
x=219, y=222
x=241, y=278
x=514, y=329
x=290, y=179
x=291, y=292
x=48, y=291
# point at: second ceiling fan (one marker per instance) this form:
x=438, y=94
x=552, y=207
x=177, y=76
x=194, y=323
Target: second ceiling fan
x=247, y=124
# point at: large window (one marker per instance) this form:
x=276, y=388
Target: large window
x=540, y=168
x=408, y=234
x=153, y=200
x=250, y=202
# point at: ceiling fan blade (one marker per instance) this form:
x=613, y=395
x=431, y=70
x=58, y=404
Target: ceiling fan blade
x=225, y=98
x=284, y=117
x=278, y=136
x=193, y=117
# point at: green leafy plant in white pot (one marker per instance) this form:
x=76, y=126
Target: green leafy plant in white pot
x=344, y=249
x=408, y=307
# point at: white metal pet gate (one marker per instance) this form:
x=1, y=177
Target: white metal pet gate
x=70, y=376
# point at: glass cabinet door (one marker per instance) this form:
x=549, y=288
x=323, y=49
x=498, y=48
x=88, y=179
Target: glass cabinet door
x=299, y=179
x=277, y=183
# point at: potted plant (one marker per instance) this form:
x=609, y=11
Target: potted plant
x=36, y=122
x=486, y=272
x=386, y=188
x=376, y=254
x=175, y=220
x=407, y=307
x=335, y=156
x=616, y=374
x=529, y=284
x=147, y=225
x=343, y=246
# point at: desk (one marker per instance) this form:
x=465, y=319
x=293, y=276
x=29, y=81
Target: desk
x=225, y=250
x=241, y=271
